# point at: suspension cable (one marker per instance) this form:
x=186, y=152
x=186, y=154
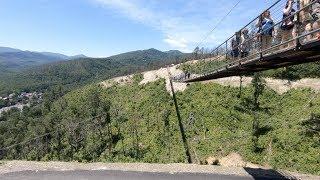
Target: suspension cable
x=222, y=19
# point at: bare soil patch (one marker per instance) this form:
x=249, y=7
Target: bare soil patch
x=278, y=85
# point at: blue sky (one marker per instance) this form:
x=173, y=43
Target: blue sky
x=100, y=28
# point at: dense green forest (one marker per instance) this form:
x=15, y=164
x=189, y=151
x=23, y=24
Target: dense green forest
x=76, y=73
x=138, y=123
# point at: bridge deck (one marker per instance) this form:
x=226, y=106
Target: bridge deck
x=308, y=52
x=261, y=57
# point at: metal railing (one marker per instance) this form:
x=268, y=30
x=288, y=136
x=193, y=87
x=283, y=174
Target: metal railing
x=254, y=41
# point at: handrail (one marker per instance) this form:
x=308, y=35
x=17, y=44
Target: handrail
x=288, y=17
x=239, y=61
x=259, y=34
x=245, y=26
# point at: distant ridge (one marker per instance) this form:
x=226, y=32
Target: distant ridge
x=15, y=59
x=174, y=52
x=51, y=54
x=80, y=56
x=62, y=56
x=7, y=49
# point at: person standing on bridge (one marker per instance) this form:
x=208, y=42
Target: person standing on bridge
x=310, y=17
x=288, y=27
x=235, y=42
x=304, y=16
x=266, y=29
x=245, y=44
x=315, y=17
x=305, y=11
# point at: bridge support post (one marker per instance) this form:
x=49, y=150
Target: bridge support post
x=226, y=51
x=298, y=44
x=240, y=92
x=184, y=139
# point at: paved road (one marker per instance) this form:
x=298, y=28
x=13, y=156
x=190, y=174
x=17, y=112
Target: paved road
x=116, y=175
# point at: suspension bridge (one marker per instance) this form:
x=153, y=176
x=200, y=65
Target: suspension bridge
x=305, y=48
x=302, y=47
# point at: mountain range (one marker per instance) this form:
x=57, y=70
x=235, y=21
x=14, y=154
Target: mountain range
x=51, y=70
x=15, y=59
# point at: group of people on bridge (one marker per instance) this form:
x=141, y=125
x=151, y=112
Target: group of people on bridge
x=299, y=24
x=308, y=19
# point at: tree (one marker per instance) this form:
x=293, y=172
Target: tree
x=259, y=85
x=311, y=126
x=196, y=52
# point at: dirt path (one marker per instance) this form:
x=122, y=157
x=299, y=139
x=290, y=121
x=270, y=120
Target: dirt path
x=278, y=85
x=150, y=76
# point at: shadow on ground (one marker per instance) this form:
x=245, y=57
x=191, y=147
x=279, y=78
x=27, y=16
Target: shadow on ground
x=258, y=174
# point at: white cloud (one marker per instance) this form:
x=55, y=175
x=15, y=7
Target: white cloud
x=176, y=43
x=178, y=30
x=130, y=9
x=183, y=23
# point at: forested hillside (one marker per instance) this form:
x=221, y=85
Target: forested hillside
x=138, y=123
x=73, y=74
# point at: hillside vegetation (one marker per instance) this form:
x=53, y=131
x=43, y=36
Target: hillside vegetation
x=138, y=123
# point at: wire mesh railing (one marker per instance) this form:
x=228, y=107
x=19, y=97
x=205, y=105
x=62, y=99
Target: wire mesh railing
x=284, y=25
